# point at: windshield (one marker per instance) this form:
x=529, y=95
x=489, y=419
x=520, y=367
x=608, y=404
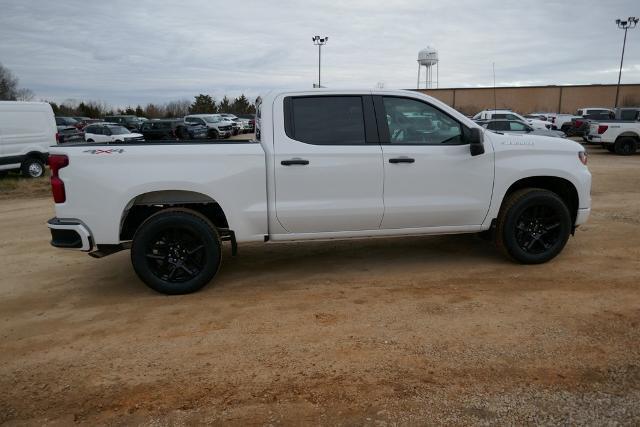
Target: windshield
x=211, y=119
x=118, y=130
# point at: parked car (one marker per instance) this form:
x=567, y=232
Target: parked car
x=617, y=136
x=580, y=123
x=172, y=129
x=621, y=115
x=216, y=125
x=560, y=121
x=235, y=122
x=110, y=132
x=27, y=129
x=627, y=113
x=67, y=134
x=67, y=122
x=510, y=115
x=249, y=120
x=130, y=122
x=370, y=173
x=520, y=128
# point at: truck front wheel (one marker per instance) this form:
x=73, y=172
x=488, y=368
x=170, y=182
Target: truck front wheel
x=533, y=226
x=176, y=251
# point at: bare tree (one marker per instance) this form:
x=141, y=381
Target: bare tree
x=177, y=109
x=24, y=94
x=8, y=84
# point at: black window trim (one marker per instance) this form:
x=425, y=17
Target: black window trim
x=370, y=126
x=383, y=127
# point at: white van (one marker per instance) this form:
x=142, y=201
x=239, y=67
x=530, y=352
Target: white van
x=27, y=129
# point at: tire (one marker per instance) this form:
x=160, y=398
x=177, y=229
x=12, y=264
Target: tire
x=533, y=226
x=32, y=167
x=176, y=251
x=182, y=133
x=625, y=146
x=90, y=140
x=213, y=134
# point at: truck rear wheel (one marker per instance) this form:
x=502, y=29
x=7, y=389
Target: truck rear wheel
x=625, y=146
x=176, y=251
x=533, y=226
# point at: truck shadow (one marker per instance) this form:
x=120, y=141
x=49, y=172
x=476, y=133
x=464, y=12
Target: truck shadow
x=296, y=264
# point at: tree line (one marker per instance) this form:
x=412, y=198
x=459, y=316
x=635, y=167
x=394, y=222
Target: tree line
x=202, y=104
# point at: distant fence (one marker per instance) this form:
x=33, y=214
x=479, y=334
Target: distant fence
x=528, y=99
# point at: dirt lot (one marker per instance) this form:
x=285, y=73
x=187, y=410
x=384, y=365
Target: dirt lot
x=408, y=331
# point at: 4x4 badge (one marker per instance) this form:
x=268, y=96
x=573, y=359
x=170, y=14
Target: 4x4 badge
x=108, y=151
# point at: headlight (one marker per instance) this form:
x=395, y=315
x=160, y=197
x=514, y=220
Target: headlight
x=582, y=155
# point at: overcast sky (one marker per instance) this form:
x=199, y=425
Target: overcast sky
x=134, y=52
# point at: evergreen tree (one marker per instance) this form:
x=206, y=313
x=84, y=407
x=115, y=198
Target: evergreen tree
x=241, y=105
x=203, y=104
x=225, y=105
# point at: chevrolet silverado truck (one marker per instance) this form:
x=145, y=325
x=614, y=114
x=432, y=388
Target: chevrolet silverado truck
x=617, y=136
x=324, y=165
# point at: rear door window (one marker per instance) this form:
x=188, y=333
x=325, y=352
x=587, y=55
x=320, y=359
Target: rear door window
x=325, y=120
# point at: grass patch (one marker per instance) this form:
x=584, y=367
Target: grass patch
x=15, y=186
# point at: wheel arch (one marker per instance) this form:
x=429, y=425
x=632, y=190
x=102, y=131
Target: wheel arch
x=43, y=157
x=564, y=188
x=144, y=205
x=628, y=134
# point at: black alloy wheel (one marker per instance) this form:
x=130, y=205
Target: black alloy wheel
x=533, y=226
x=176, y=251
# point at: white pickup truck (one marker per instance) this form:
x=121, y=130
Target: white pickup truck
x=325, y=165
x=617, y=136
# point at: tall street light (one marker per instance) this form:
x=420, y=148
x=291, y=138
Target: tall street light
x=319, y=41
x=624, y=25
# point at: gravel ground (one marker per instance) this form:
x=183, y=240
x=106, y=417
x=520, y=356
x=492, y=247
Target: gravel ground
x=428, y=330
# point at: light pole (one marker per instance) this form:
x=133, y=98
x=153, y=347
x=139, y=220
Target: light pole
x=624, y=25
x=319, y=41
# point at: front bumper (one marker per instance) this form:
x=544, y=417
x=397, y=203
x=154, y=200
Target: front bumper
x=70, y=234
x=583, y=215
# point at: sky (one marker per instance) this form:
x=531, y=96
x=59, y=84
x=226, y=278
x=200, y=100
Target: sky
x=136, y=52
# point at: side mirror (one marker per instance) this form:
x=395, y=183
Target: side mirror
x=476, y=138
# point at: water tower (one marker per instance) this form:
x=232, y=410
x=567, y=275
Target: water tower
x=428, y=58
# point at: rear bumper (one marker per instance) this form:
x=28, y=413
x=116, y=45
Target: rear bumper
x=594, y=138
x=70, y=234
x=583, y=215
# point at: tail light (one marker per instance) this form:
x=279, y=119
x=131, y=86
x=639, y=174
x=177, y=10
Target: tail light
x=602, y=129
x=57, y=162
x=579, y=123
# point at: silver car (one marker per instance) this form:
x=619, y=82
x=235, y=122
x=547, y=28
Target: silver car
x=519, y=127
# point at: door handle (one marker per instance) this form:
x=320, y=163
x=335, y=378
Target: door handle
x=402, y=160
x=294, y=162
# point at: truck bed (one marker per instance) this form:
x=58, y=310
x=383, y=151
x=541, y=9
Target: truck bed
x=114, y=176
